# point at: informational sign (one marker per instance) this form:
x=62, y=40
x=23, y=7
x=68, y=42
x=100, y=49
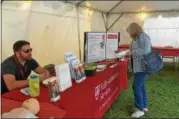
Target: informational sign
x=100, y=46
x=112, y=43
x=95, y=47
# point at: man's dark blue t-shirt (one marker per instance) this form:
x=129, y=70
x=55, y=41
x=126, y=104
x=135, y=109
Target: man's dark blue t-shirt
x=10, y=66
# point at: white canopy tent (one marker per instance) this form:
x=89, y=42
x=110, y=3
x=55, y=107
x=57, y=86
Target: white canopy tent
x=56, y=27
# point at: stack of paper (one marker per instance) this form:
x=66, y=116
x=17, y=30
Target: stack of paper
x=69, y=57
x=63, y=76
x=79, y=71
x=76, y=68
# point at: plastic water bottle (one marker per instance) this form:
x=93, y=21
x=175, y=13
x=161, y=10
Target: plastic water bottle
x=34, y=86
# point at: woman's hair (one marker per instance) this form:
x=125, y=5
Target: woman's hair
x=134, y=29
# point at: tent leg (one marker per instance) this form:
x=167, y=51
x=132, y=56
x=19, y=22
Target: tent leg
x=105, y=21
x=78, y=30
x=115, y=21
x=116, y=5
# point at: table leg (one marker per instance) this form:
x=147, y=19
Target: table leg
x=177, y=62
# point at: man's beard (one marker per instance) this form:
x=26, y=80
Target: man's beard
x=26, y=58
x=29, y=58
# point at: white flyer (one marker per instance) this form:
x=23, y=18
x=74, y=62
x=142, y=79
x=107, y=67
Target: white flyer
x=112, y=45
x=63, y=76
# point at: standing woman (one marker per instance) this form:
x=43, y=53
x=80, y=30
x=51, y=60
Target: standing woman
x=140, y=46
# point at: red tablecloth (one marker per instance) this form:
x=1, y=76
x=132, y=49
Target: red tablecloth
x=123, y=47
x=165, y=51
x=168, y=51
x=89, y=99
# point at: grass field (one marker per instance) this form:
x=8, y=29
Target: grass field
x=163, y=96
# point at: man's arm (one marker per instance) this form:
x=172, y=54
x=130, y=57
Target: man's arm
x=42, y=71
x=11, y=82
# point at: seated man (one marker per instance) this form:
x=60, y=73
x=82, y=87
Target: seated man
x=16, y=69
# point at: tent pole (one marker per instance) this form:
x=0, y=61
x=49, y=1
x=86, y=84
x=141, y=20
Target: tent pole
x=155, y=11
x=79, y=3
x=108, y=13
x=94, y=9
x=107, y=18
x=115, y=21
x=114, y=7
x=78, y=30
x=105, y=21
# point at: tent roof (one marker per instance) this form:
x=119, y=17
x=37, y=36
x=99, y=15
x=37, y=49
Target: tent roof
x=130, y=6
x=119, y=6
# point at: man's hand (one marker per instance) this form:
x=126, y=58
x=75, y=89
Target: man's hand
x=43, y=73
x=44, y=76
x=47, y=74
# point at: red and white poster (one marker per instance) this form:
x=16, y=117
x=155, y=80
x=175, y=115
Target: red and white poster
x=100, y=46
x=96, y=46
x=112, y=43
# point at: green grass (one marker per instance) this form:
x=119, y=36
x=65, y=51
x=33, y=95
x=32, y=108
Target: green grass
x=163, y=96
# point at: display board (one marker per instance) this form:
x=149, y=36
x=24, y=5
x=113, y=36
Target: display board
x=100, y=46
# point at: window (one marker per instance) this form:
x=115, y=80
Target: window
x=163, y=31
